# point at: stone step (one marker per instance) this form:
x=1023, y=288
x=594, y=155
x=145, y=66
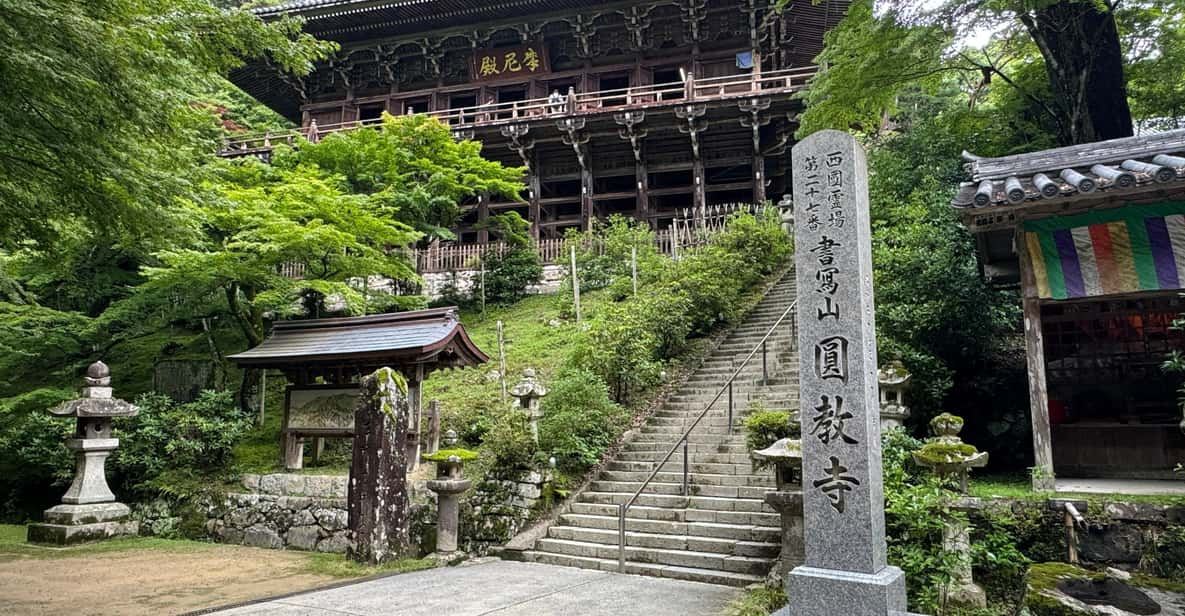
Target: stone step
x=691, y=574
x=732, y=478
x=638, y=512
x=655, y=487
x=732, y=445
x=711, y=530
x=698, y=466
x=671, y=541
x=723, y=459
x=679, y=558
x=672, y=501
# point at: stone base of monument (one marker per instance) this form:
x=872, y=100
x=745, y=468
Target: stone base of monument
x=71, y=524
x=826, y=592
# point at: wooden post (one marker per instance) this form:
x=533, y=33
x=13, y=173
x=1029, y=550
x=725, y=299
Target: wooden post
x=262, y=394
x=414, y=392
x=293, y=452
x=481, y=259
x=501, y=359
x=575, y=285
x=483, y=216
x=1043, y=474
x=634, y=267
x=433, y=444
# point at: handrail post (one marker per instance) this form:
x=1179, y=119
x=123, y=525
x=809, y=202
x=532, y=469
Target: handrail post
x=686, y=466
x=730, y=406
x=764, y=367
x=621, y=538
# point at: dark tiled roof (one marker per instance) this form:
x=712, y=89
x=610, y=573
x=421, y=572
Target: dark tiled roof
x=405, y=337
x=1117, y=166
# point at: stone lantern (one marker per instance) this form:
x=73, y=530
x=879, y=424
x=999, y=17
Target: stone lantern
x=448, y=486
x=88, y=511
x=786, y=455
x=949, y=457
x=894, y=380
x=527, y=393
x=786, y=213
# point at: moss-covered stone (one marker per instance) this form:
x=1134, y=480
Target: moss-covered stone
x=444, y=454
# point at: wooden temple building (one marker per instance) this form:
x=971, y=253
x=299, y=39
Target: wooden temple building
x=640, y=107
x=1095, y=236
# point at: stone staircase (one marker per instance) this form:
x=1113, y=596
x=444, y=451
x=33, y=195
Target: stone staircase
x=723, y=532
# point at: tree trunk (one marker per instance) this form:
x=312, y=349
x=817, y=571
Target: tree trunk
x=1084, y=61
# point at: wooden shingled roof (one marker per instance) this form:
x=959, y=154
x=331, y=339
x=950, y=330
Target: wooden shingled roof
x=433, y=338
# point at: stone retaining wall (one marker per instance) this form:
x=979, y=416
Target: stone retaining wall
x=499, y=507
x=308, y=512
x=466, y=281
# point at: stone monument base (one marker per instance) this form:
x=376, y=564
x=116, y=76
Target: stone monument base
x=827, y=592
x=71, y=524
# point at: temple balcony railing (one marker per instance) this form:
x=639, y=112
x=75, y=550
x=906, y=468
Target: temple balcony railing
x=572, y=105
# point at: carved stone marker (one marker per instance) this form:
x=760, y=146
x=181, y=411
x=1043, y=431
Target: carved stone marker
x=88, y=511
x=843, y=500
x=448, y=486
x=378, y=504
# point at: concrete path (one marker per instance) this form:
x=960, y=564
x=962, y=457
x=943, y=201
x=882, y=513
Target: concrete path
x=503, y=588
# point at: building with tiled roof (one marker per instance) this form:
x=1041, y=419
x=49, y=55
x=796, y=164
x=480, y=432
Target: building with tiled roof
x=1095, y=236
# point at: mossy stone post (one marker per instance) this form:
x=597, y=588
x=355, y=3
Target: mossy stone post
x=378, y=503
x=947, y=456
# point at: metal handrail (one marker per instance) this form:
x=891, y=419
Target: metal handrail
x=623, y=508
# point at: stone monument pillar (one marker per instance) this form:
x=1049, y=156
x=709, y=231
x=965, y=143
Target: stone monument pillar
x=379, y=520
x=88, y=511
x=843, y=496
x=448, y=486
x=527, y=394
x=894, y=380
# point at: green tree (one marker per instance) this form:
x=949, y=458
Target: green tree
x=100, y=129
x=1078, y=43
x=415, y=169
x=281, y=239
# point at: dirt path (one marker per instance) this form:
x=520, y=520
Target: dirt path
x=141, y=582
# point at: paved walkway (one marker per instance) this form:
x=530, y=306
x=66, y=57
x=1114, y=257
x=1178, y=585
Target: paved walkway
x=502, y=588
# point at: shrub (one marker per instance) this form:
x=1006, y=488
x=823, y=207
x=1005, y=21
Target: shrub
x=764, y=428
x=509, y=442
x=579, y=421
x=509, y=274
x=169, y=442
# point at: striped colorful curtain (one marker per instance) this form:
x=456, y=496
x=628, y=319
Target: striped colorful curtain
x=1136, y=248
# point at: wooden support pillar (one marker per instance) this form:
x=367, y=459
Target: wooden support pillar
x=1043, y=474
x=535, y=188
x=483, y=215
x=758, y=178
x=699, y=191
x=586, y=196
x=642, y=183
